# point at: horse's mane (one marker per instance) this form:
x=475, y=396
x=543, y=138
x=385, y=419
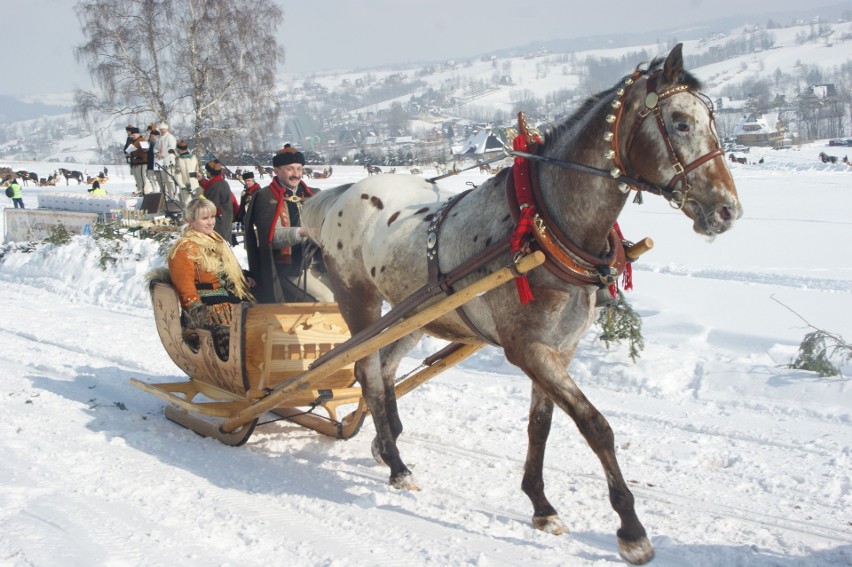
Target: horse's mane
x=553, y=132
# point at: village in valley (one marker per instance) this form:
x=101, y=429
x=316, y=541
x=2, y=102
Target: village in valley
x=776, y=85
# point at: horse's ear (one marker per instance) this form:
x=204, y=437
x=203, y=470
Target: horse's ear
x=674, y=64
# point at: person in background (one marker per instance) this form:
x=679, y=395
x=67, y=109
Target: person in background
x=154, y=173
x=274, y=240
x=217, y=190
x=17, y=196
x=250, y=187
x=166, y=153
x=187, y=173
x=137, y=149
x=128, y=129
x=206, y=276
x=96, y=189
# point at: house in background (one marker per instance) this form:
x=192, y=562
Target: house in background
x=758, y=129
x=482, y=142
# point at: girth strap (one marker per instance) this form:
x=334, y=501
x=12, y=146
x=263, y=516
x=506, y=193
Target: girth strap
x=435, y=270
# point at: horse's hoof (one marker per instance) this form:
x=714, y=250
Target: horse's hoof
x=377, y=453
x=636, y=552
x=552, y=524
x=404, y=481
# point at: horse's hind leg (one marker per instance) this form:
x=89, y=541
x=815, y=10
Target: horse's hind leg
x=545, y=517
x=381, y=400
x=547, y=370
x=377, y=390
x=391, y=356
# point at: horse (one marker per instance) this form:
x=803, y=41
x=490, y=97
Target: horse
x=388, y=238
x=825, y=158
x=308, y=172
x=415, y=171
x=68, y=174
x=372, y=169
x=263, y=170
x=27, y=176
x=735, y=159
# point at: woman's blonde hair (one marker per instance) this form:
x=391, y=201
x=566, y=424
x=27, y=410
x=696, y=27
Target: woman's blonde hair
x=197, y=206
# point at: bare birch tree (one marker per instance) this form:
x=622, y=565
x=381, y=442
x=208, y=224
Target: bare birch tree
x=207, y=66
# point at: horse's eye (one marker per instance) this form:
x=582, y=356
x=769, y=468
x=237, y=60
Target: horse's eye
x=682, y=127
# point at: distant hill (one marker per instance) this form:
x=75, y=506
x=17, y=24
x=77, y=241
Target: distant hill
x=15, y=110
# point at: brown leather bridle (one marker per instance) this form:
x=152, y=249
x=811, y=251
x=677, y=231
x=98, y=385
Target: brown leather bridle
x=677, y=198
x=652, y=106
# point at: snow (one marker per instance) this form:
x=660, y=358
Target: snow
x=734, y=458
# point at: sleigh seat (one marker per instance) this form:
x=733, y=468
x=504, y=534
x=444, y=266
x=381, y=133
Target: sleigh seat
x=269, y=344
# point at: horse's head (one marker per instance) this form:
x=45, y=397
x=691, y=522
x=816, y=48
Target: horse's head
x=665, y=134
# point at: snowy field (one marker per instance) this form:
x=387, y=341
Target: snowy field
x=734, y=459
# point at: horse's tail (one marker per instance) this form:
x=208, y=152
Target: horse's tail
x=316, y=208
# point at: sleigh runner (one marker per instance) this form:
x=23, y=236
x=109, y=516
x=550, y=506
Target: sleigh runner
x=282, y=360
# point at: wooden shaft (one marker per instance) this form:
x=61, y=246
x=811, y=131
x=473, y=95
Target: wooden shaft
x=389, y=335
x=639, y=248
x=430, y=372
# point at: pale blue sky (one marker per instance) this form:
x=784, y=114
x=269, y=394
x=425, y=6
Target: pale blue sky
x=37, y=54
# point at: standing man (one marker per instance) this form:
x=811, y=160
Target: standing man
x=219, y=192
x=187, y=173
x=166, y=155
x=250, y=187
x=128, y=129
x=275, y=243
x=17, y=197
x=137, y=150
x=154, y=175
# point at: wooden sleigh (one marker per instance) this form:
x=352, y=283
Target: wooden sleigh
x=282, y=361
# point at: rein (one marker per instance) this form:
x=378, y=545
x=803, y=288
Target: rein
x=676, y=198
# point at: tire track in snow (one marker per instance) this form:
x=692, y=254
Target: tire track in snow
x=760, y=278
x=751, y=516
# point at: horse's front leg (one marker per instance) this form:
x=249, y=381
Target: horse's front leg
x=381, y=400
x=547, y=370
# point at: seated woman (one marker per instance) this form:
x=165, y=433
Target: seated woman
x=207, y=276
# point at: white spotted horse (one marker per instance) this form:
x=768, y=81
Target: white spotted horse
x=386, y=237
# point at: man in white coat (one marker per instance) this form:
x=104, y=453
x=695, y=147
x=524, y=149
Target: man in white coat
x=166, y=154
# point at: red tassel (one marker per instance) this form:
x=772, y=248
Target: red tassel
x=524, y=291
x=627, y=277
x=525, y=223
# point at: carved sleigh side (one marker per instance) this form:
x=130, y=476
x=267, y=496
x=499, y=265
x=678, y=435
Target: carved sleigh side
x=269, y=345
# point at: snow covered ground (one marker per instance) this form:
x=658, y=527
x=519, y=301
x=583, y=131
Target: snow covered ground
x=734, y=458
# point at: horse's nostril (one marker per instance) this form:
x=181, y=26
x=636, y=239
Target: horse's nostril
x=725, y=213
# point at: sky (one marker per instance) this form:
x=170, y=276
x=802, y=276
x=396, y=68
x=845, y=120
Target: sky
x=328, y=34
x=733, y=458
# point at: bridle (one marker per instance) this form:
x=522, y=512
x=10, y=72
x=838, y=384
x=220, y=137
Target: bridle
x=677, y=197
